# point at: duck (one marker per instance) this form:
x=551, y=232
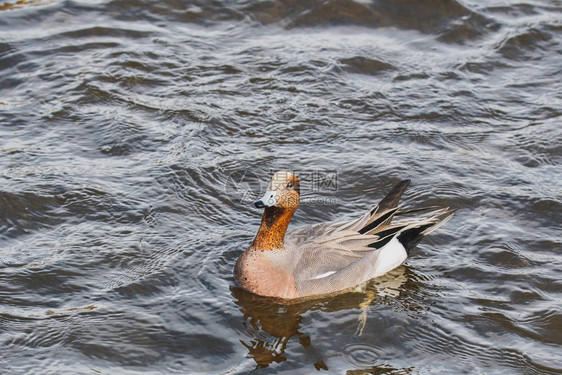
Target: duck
x=328, y=257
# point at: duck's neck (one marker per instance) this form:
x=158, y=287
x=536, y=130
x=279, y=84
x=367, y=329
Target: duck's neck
x=274, y=223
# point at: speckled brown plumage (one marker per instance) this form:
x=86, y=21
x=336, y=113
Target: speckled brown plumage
x=274, y=223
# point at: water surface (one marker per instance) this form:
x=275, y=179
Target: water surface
x=134, y=133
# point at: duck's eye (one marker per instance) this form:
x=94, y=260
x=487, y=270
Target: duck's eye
x=290, y=185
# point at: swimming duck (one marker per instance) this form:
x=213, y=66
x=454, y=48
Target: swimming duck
x=328, y=257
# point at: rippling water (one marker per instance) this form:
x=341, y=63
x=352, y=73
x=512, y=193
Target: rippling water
x=131, y=131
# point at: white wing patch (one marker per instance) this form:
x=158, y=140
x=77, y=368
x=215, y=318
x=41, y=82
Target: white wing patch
x=390, y=256
x=322, y=275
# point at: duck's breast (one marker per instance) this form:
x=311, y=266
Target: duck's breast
x=265, y=273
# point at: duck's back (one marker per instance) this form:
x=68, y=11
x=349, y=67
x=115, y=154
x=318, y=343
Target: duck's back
x=327, y=258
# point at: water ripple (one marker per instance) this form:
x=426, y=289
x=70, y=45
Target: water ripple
x=125, y=128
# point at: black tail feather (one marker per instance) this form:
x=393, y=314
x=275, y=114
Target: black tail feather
x=384, y=237
x=387, y=207
x=378, y=222
x=393, y=197
x=407, y=231
x=410, y=238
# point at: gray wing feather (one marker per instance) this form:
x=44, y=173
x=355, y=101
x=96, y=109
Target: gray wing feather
x=332, y=256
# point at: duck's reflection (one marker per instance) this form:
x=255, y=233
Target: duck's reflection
x=270, y=323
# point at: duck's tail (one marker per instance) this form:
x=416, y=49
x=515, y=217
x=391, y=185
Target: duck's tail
x=412, y=234
x=380, y=222
x=382, y=213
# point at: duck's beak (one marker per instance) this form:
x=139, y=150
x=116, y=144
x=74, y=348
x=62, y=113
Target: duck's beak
x=268, y=200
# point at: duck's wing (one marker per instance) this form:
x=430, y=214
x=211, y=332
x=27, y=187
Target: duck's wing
x=345, y=258
x=307, y=233
x=336, y=256
x=380, y=215
x=327, y=254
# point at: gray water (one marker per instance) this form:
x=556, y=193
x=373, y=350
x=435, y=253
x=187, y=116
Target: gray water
x=133, y=135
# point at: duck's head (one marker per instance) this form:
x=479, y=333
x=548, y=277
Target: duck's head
x=283, y=191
